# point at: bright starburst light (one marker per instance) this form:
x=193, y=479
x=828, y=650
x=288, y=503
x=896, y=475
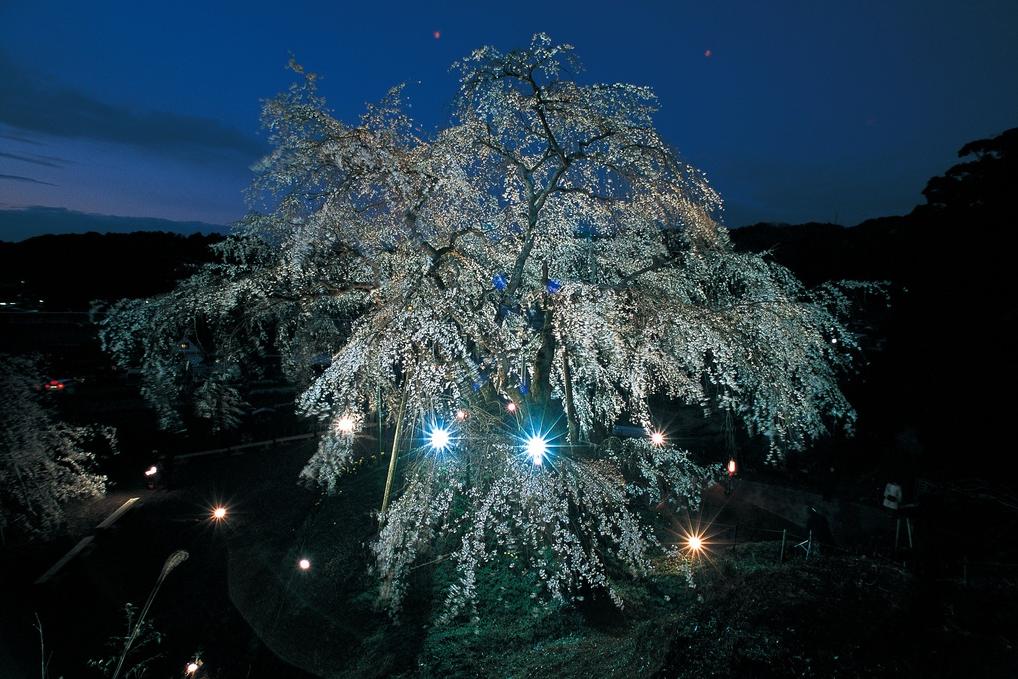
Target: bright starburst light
x=657, y=438
x=304, y=564
x=439, y=438
x=219, y=513
x=345, y=425
x=537, y=448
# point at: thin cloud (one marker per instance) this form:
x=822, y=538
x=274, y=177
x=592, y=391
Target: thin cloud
x=17, y=137
x=27, y=180
x=45, y=161
x=36, y=104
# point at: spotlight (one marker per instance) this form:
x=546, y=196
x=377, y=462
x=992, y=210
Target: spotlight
x=219, y=513
x=657, y=438
x=694, y=543
x=537, y=448
x=152, y=471
x=192, y=667
x=345, y=425
x=304, y=564
x=511, y=407
x=439, y=438
x=731, y=467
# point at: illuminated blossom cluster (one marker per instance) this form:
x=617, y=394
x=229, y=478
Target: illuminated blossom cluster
x=546, y=261
x=44, y=462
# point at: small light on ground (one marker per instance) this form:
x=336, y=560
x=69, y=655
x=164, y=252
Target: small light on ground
x=192, y=667
x=304, y=564
x=511, y=407
x=219, y=513
x=657, y=438
x=694, y=543
x=461, y=415
x=731, y=467
x=151, y=471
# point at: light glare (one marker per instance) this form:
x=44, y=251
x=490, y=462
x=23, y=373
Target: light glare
x=345, y=425
x=439, y=438
x=192, y=667
x=304, y=564
x=219, y=513
x=537, y=448
x=694, y=543
x=657, y=438
x=151, y=471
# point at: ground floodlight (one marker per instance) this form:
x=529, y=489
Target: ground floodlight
x=537, y=448
x=345, y=425
x=657, y=438
x=439, y=438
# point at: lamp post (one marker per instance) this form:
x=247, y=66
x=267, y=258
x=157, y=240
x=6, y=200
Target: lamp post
x=172, y=561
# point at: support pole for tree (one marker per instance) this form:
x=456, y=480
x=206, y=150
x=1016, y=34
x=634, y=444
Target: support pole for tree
x=781, y=556
x=395, y=451
x=567, y=381
x=380, y=432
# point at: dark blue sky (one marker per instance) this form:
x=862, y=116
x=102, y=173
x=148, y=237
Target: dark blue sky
x=802, y=110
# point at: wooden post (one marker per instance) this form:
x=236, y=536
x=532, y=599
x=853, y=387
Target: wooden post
x=395, y=452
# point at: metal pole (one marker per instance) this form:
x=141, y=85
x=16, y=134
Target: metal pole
x=781, y=557
x=395, y=451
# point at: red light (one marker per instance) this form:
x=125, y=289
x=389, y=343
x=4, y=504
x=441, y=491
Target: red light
x=731, y=467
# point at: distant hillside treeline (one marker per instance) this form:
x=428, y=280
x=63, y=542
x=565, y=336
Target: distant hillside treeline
x=948, y=372
x=69, y=271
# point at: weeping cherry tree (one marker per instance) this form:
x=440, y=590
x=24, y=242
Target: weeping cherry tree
x=504, y=291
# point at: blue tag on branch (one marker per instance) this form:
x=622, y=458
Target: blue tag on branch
x=500, y=282
x=554, y=285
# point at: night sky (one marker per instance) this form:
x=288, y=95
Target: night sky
x=829, y=111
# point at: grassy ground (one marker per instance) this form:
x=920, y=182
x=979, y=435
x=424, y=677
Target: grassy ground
x=833, y=616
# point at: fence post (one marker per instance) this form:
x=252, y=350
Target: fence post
x=781, y=557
